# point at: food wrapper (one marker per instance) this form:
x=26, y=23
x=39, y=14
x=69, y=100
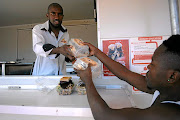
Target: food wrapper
x=62, y=91
x=82, y=64
x=67, y=91
x=80, y=88
x=65, y=86
x=78, y=48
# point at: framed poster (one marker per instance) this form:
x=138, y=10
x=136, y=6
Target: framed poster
x=117, y=50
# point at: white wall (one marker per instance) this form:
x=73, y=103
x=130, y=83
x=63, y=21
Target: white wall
x=133, y=18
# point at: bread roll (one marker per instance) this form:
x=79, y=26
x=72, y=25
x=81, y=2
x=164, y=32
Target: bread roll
x=78, y=41
x=66, y=79
x=89, y=61
x=78, y=48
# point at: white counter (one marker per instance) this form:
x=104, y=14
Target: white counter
x=37, y=103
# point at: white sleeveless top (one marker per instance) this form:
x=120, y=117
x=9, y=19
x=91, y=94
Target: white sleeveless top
x=157, y=93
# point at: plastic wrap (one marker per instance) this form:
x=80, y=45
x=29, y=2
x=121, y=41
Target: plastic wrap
x=45, y=84
x=78, y=48
x=66, y=91
x=65, y=86
x=80, y=88
x=82, y=64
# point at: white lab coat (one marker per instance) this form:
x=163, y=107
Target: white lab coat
x=46, y=64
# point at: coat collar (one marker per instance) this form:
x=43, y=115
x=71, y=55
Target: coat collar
x=46, y=27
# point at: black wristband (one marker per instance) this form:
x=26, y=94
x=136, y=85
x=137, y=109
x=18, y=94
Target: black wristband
x=48, y=47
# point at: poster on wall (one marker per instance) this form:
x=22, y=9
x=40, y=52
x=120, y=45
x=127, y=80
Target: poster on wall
x=141, y=52
x=117, y=50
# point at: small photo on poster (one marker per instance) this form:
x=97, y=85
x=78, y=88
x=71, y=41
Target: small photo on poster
x=117, y=50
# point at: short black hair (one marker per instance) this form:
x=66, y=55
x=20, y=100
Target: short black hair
x=54, y=5
x=173, y=44
x=172, y=52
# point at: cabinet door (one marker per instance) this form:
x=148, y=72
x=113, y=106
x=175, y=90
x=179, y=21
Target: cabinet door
x=25, y=52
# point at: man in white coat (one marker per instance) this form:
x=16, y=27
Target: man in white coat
x=50, y=44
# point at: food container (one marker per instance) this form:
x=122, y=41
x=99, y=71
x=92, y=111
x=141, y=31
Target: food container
x=82, y=64
x=80, y=88
x=78, y=48
x=65, y=86
x=66, y=91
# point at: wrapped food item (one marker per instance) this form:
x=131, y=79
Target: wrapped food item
x=78, y=48
x=82, y=64
x=81, y=88
x=65, y=86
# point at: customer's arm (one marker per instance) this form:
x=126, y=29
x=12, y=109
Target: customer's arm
x=119, y=70
x=101, y=110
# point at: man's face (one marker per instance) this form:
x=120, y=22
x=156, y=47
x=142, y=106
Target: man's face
x=157, y=75
x=55, y=16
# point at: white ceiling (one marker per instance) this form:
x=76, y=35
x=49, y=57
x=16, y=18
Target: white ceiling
x=17, y=12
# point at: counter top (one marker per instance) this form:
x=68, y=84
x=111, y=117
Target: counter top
x=32, y=99
x=37, y=102
x=37, y=98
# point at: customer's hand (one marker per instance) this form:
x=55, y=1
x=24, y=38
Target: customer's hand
x=92, y=49
x=85, y=75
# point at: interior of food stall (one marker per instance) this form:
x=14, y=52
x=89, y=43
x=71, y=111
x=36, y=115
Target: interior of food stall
x=93, y=21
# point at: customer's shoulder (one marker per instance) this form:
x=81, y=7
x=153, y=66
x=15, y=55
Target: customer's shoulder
x=168, y=108
x=163, y=111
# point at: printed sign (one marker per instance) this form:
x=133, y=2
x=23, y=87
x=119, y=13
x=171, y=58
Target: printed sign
x=117, y=50
x=142, y=50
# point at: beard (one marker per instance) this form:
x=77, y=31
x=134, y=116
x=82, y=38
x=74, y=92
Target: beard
x=55, y=26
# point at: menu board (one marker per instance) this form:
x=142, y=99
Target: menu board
x=142, y=50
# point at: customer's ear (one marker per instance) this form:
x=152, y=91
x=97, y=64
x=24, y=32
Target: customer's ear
x=174, y=77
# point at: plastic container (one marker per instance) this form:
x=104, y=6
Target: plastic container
x=78, y=48
x=67, y=91
x=96, y=71
x=82, y=64
x=80, y=88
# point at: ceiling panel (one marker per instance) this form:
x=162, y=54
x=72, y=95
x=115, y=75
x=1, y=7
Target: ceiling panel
x=17, y=12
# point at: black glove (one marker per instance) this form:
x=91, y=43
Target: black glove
x=48, y=47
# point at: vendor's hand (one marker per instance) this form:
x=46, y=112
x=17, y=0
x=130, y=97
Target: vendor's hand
x=85, y=75
x=92, y=49
x=65, y=50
